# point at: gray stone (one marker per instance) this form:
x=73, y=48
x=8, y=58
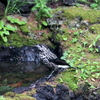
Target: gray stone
x=69, y=2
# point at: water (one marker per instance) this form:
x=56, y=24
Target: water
x=16, y=74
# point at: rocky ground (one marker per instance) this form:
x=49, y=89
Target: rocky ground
x=77, y=29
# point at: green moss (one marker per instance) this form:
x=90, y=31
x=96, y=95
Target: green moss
x=86, y=14
x=68, y=78
x=32, y=92
x=34, y=28
x=62, y=36
x=25, y=28
x=78, y=54
x=16, y=40
x=14, y=96
x=11, y=94
x=95, y=28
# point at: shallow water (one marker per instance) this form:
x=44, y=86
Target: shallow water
x=14, y=67
x=16, y=74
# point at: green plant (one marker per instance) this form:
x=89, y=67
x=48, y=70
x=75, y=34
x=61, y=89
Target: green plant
x=94, y=5
x=16, y=20
x=5, y=30
x=13, y=7
x=41, y=24
x=85, y=69
x=77, y=32
x=42, y=9
x=2, y=98
x=65, y=54
x=85, y=43
x=74, y=40
x=4, y=89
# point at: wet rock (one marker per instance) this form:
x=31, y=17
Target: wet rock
x=69, y=2
x=61, y=92
x=71, y=94
x=97, y=45
x=47, y=93
x=26, y=8
x=20, y=90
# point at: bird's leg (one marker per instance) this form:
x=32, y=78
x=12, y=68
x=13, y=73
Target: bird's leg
x=51, y=74
x=53, y=66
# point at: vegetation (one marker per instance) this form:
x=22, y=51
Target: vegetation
x=13, y=7
x=4, y=89
x=94, y=5
x=42, y=11
x=80, y=47
x=16, y=20
x=5, y=30
x=78, y=42
x=14, y=96
x=2, y=98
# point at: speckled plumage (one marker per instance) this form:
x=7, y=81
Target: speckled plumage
x=39, y=54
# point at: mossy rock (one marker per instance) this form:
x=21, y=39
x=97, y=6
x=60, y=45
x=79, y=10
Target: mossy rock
x=62, y=36
x=25, y=28
x=95, y=28
x=71, y=13
x=32, y=92
x=14, y=96
x=17, y=40
x=68, y=78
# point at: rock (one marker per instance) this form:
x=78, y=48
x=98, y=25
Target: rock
x=26, y=8
x=60, y=92
x=97, y=45
x=20, y=90
x=47, y=93
x=54, y=3
x=69, y=2
x=57, y=19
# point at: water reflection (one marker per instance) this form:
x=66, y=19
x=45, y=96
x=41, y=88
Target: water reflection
x=23, y=73
x=11, y=67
